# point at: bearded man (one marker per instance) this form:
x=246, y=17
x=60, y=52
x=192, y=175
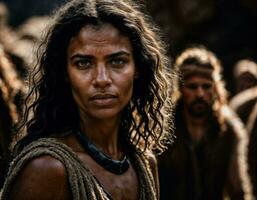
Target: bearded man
x=202, y=163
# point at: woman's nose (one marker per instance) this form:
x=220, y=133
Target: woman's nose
x=102, y=76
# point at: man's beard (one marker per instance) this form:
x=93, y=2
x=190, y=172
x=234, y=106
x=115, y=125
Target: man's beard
x=199, y=108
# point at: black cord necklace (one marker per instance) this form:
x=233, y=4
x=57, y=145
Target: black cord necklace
x=114, y=166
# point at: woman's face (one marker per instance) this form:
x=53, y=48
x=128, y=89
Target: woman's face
x=101, y=71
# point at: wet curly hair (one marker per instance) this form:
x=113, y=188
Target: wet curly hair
x=146, y=120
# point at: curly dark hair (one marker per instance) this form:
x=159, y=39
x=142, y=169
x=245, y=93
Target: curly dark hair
x=146, y=120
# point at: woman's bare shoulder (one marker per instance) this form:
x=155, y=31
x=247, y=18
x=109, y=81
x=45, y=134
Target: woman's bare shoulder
x=43, y=177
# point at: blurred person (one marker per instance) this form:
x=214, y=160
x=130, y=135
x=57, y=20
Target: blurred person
x=17, y=70
x=102, y=90
x=245, y=79
x=204, y=162
x=245, y=75
x=245, y=105
x=21, y=43
x=10, y=88
x=7, y=35
x=9, y=39
x=29, y=37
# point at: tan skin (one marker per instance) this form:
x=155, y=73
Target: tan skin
x=101, y=71
x=197, y=88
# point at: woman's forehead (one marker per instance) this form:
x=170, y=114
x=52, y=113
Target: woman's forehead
x=100, y=37
x=101, y=32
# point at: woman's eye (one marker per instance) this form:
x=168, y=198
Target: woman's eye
x=118, y=62
x=83, y=64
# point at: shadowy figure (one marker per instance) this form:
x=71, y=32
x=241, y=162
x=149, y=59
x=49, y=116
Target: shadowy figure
x=245, y=105
x=245, y=75
x=11, y=89
x=207, y=157
x=10, y=41
x=29, y=36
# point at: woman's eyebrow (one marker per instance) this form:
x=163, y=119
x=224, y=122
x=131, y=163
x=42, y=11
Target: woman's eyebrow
x=117, y=54
x=81, y=56
x=90, y=57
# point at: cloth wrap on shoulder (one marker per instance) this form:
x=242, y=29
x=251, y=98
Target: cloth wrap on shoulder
x=82, y=183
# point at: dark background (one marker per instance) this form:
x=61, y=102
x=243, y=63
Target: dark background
x=226, y=27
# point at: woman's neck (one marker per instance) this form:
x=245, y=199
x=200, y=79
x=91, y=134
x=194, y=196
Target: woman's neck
x=104, y=134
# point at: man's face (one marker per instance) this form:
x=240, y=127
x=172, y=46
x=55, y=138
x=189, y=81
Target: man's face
x=198, y=96
x=101, y=71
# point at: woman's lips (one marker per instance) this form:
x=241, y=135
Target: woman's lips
x=103, y=100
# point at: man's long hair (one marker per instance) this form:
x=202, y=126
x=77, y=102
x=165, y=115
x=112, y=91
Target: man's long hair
x=146, y=120
x=226, y=117
x=200, y=56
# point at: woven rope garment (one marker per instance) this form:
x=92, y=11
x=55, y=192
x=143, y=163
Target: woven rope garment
x=82, y=182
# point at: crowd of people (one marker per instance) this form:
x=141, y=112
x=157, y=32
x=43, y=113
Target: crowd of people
x=205, y=158
x=92, y=107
